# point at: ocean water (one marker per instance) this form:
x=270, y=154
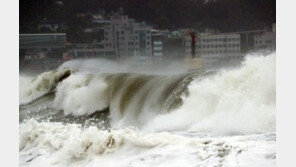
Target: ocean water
x=96, y=113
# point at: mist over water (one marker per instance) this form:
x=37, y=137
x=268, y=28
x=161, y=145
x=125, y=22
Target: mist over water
x=139, y=109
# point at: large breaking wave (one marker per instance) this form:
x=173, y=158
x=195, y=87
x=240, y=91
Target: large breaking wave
x=240, y=100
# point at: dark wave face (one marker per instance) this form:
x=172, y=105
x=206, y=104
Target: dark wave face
x=123, y=96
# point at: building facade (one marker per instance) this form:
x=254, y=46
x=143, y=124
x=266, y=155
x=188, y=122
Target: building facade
x=127, y=38
x=40, y=52
x=159, y=39
x=215, y=45
x=265, y=40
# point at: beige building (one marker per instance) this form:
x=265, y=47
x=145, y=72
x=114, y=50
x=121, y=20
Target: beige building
x=215, y=45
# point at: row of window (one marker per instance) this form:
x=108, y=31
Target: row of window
x=267, y=41
x=218, y=39
x=157, y=48
x=157, y=54
x=130, y=32
x=157, y=42
x=90, y=53
x=216, y=46
x=122, y=38
x=41, y=61
x=218, y=51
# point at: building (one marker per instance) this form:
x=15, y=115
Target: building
x=127, y=38
x=87, y=53
x=40, y=52
x=219, y=46
x=51, y=26
x=174, y=48
x=159, y=39
x=42, y=41
x=39, y=61
x=265, y=40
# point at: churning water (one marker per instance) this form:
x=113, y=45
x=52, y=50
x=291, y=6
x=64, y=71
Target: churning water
x=86, y=113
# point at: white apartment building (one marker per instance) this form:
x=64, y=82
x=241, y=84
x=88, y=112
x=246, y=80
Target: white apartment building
x=127, y=38
x=215, y=45
x=265, y=40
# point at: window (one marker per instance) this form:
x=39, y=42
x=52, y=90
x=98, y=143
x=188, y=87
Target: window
x=157, y=48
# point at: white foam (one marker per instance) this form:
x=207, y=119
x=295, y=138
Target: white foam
x=81, y=94
x=56, y=144
x=235, y=101
x=31, y=87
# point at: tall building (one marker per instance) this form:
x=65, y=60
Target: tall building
x=127, y=38
x=158, y=41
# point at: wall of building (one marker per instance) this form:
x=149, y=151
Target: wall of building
x=265, y=40
x=215, y=45
x=127, y=38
